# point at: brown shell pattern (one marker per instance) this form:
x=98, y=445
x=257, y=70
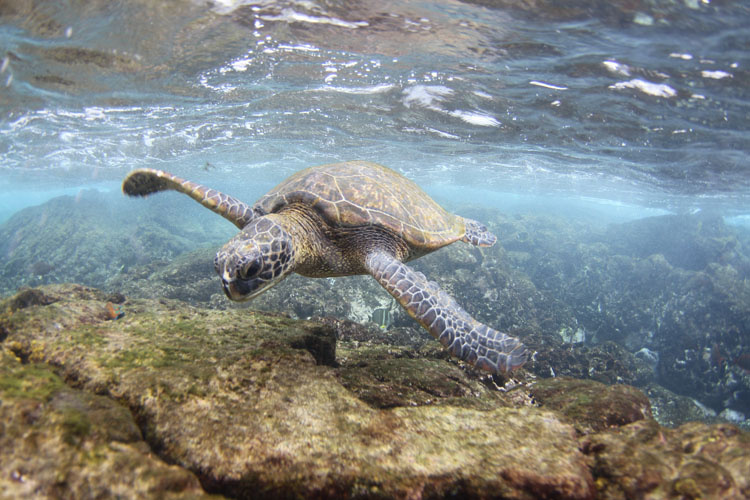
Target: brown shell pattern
x=361, y=193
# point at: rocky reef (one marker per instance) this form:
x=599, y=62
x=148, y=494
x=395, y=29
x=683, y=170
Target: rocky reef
x=661, y=303
x=673, y=289
x=93, y=236
x=185, y=401
x=61, y=442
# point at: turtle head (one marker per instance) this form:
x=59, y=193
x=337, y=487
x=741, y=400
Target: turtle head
x=256, y=259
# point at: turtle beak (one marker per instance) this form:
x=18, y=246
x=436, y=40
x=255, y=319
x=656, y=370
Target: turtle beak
x=228, y=290
x=235, y=288
x=241, y=290
x=238, y=290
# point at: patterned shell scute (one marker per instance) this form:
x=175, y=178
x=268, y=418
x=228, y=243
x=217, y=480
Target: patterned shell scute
x=361, y=193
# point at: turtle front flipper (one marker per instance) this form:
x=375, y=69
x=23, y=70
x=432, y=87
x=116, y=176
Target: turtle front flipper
x=146, y=181
x=439, y=314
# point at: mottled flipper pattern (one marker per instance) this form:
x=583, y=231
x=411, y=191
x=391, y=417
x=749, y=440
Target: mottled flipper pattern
x=146, y=181
x=478, y=234
x=439, y=314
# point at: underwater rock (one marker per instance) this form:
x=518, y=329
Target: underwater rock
x=94, y=236
x=643, y=460
x=354, y=334
x=689, y=242
x=733, y=416
x=257, y=404
x=701, y=342
x=60, y=442
x=592, y=406
x=673, y=410
x=607, y=362
x=651, y=358
x=251, y=403
x=189, y=277
x=27, y=297
x=385, y=375
x=625, y=284
x=404, y=382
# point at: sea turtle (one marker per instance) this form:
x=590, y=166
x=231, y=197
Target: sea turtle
x=342, y=219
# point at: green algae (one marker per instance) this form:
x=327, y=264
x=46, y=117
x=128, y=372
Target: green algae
x=590, y=405
x=75, y=424
x=62, y=442
x=398, y=382
x=27, y=381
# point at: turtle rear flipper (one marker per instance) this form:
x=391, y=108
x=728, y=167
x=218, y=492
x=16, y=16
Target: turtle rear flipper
x=439, y=314
x=146, y=181
x=477, y=234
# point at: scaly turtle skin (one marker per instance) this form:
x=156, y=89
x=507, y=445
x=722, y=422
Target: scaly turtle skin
x=343, y=219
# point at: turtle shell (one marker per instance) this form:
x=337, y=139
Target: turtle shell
x=360, y=193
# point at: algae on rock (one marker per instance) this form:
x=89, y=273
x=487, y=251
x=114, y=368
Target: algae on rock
x=250, y=402
x=62, y=442
x=256, y=404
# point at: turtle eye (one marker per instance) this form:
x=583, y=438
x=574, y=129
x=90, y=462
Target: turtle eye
x=251, y=269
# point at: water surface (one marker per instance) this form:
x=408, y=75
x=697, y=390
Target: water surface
x=641, y=104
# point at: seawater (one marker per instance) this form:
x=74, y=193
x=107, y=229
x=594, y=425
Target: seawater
x=643, y=107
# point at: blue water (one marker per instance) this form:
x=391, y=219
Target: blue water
x=594, y=105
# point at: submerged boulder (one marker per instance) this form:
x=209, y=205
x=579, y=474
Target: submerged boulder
x=592, y=406
x=687, y=241
x=59, y=442
x=251, y=403
x=696, y=460
x=259, y=405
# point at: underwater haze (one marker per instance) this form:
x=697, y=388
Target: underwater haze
x=606, y=144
